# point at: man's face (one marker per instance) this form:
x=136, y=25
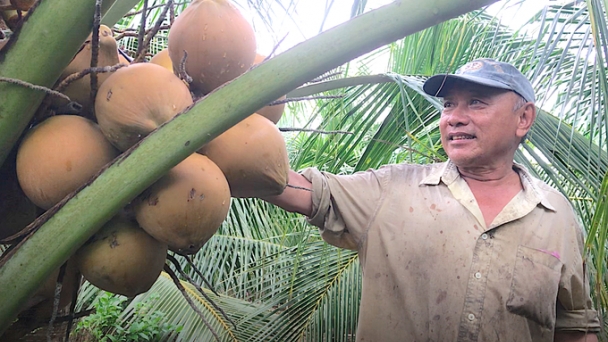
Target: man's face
x=479, y=126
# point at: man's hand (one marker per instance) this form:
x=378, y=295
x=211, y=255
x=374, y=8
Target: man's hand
x=574, y=337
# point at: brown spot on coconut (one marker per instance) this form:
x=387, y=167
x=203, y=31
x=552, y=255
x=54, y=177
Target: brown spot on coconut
x=186, y=206
x=80, y=90
x=162, y=58
x=122, y=258
x=219, y=41
x=137, y=99
x=60, y=155
x=274, y=112
x=253, y=157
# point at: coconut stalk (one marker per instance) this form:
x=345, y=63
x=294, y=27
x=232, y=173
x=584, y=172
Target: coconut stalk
x=37, y=54
x=81, y=216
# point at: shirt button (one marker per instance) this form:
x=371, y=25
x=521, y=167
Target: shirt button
x=484, y=236
x=471, y=317
x=478, y=275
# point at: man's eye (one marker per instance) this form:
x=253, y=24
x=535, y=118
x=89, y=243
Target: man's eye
x=475, y=102
x=447, y=104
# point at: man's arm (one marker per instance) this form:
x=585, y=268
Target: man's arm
x=574, y=337
x=297, y=196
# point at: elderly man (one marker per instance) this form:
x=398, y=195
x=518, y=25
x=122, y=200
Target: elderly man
x=473, y=249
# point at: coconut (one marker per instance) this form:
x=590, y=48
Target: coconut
x=162, y=58
x=60, y=155
x=253, y=157
x=186, y=206
x=274, y=112
x=137, y=99
x=80, y=90
x=122, y=258
x=219, y=41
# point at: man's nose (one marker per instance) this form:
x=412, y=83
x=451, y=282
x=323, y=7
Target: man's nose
x=458, y=116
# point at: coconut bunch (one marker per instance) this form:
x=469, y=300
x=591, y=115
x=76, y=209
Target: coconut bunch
x=212, y=43
x=185, y=207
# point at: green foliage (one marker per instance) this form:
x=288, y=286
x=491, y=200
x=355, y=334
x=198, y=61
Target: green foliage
x=104, y=325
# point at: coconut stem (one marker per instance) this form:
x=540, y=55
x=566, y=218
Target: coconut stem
x=34, y=87
x=95, y=49
x=56, y=299
x=296, y=129
x=298, y=187
x=93, y=70
x=200, y=274
x=141, y=56
x=142, y=30
x=198, y=287
x=189, y=300
x=325, y=77
x=297, y=99
x=71, y=314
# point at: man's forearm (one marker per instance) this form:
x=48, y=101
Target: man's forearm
x=297, y=196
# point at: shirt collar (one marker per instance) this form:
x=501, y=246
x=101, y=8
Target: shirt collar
x=447, y=173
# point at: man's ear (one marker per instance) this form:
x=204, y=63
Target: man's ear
x=526, y=116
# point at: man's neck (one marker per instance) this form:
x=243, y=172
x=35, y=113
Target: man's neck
x=497, y=174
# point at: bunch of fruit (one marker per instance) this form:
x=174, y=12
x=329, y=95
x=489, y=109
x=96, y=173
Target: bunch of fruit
x=185, y=208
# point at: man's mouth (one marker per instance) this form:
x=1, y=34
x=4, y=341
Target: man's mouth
x=462, y=137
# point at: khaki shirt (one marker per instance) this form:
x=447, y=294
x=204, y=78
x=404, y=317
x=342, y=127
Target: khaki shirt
x=432, y=270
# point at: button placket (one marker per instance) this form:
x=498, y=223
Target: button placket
x=470, y=322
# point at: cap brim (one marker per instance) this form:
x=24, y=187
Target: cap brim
x=437, y=85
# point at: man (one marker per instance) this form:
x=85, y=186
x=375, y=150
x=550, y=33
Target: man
x=474, y=249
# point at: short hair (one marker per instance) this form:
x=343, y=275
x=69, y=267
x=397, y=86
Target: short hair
x=520, y=102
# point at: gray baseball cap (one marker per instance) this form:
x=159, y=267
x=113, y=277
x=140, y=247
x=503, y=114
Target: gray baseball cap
x=484, y=71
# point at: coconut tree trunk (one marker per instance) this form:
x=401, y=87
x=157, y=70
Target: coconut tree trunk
x=75, y=220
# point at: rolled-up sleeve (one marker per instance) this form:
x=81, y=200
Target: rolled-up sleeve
x=343, y=206
x=574, y=311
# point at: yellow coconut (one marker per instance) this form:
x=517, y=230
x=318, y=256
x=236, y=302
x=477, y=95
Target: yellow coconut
x=162, y=58
x=122, y=258
x=253, y=157
x=59, y=156
x=136, y=100
x=219, y=41
x=187, y=206
x=274, y=112
x=80, y=90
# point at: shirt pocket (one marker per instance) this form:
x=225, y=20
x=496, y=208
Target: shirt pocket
x=534, y=286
